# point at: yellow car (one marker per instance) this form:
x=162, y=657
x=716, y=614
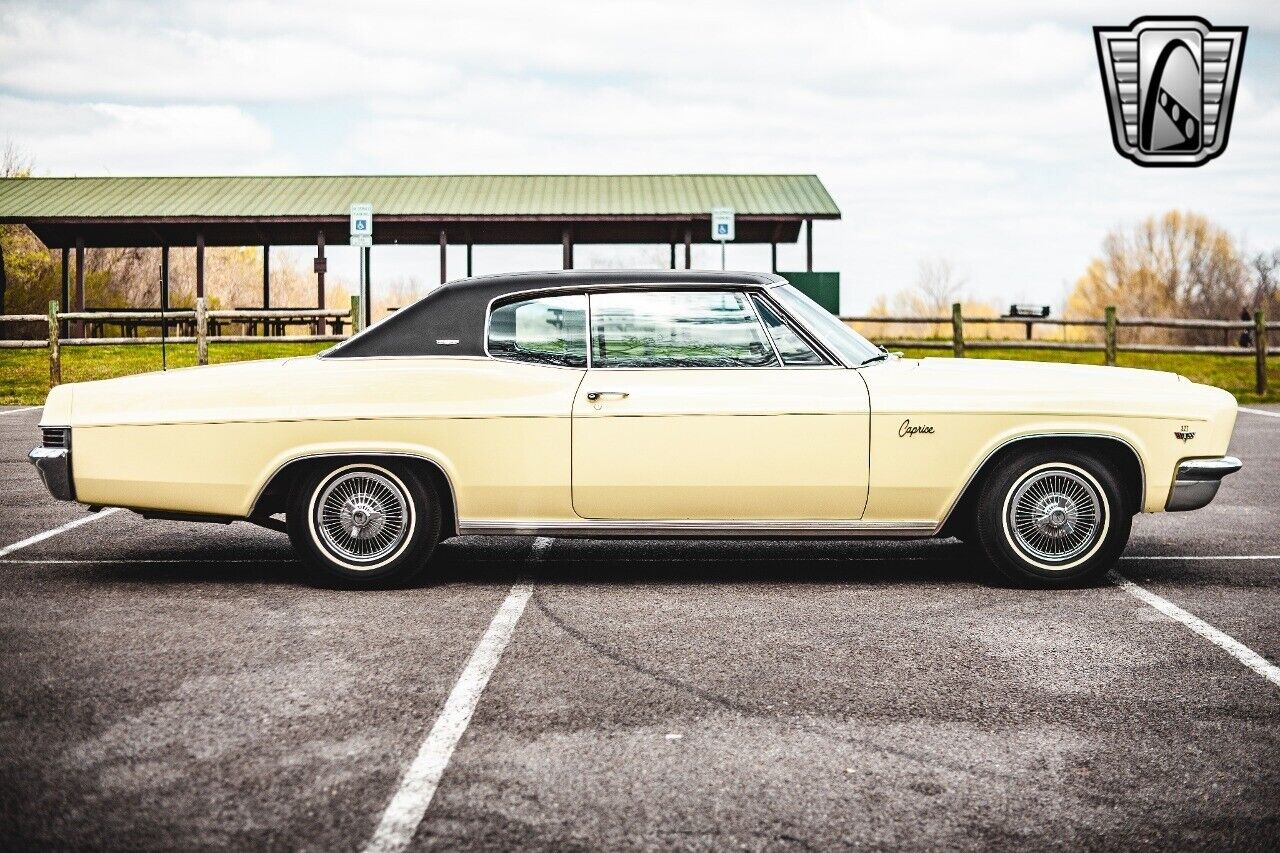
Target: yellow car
x=642, y=404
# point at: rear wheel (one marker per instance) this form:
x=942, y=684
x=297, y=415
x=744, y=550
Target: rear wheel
x=1052, y=518
x=364, y=524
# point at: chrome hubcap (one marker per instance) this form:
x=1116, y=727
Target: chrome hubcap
x=1055, y=515
x=362, y=516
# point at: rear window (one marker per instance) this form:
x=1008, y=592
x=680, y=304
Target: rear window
x=541, y=330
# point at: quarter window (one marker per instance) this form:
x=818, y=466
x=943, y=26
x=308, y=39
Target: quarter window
x=791, y=346
x=677, y=329
x=542, y=330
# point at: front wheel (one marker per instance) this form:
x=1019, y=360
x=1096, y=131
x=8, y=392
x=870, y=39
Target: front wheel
x=364, y=524
x=1053, y=519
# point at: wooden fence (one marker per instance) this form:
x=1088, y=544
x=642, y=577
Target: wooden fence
x=198, y=319
x=1110, y=324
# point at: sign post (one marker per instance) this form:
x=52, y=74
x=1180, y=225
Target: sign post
x=362, y=238
x=722, y=228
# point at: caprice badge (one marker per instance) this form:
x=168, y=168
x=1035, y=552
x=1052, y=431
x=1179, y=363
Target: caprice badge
x=1170, y=85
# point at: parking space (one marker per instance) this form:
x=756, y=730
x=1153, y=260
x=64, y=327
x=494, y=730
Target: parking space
x=169, y=685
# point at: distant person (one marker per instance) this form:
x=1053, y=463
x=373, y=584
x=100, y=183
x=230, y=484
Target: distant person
x=1246, y=337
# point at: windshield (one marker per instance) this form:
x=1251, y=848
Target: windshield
x=852, y=347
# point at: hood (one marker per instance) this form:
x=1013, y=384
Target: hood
x=998, y=372
x=1037, y=387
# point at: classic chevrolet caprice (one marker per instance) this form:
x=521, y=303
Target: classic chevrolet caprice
x=642, y=404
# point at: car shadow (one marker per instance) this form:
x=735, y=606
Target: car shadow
x=502, y=560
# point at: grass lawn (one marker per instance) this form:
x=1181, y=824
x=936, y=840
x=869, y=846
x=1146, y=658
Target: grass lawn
x=24, y=374
x=1232, y=372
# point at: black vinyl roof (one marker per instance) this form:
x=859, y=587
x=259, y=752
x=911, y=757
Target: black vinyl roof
x=450, y=320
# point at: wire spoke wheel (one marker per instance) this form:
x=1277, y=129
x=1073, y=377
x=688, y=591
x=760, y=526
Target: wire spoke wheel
x=362, y=516
x=1054, y=515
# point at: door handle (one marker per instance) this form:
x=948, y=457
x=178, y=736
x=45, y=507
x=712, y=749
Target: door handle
x=611, y=395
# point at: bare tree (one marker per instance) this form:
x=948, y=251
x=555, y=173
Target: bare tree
x=1179, y=264
x=14, y=163
x=938, y=286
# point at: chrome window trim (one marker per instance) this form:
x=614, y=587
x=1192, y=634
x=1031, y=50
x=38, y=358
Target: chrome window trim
x=532, y=294
x=791, y=323
x=755, y=311
x=745, y=293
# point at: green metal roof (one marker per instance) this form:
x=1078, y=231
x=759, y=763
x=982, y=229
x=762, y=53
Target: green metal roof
x=433, y=195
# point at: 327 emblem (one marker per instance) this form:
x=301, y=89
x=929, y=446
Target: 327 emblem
x=1183, y=434
x=908, y=428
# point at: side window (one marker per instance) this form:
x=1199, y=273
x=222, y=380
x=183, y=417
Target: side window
x=677, y=329
x=791, y=346
x=541, y=330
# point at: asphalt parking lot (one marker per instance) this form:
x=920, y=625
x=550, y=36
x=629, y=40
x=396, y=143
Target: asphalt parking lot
x=183, y=686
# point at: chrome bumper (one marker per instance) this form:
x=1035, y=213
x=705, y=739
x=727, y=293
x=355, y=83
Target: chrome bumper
x=54, y=465
x=1197, y=482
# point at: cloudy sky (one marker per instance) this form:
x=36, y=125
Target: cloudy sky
x=973, y=131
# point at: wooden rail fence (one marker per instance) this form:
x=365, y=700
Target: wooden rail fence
x=1110, y=324
x=199, y=319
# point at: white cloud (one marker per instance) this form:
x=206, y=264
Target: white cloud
x=973, y=130
x=94, y=138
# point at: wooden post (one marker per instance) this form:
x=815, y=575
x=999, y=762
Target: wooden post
x=55, y=351
x=672, y=263
x=66, y=284
x=957, y=331
x=266, y=282
x=469, y=260
x=1260, y=350
x=1109, y=343
x=773, y=257
x=164, y=278
x=202, y=331
x=566, y=241
x=444, y=257
x=79, y=303
x=808, y=245
x=356, y=322
x=688, y=247
x=199, y=266
x=321, y=267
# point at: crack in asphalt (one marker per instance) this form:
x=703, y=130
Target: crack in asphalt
x=745, y=710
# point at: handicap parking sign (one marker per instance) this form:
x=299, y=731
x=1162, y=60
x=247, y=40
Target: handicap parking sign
x=722, y=223
x=362, y=224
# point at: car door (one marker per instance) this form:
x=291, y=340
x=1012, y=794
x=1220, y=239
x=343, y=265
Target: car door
x=688, y=411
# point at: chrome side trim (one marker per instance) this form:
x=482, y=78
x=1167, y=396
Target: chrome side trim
x=453, y=494
x=1142, y=466
x=1197, y=482
x=700, y=529
x=54, y=466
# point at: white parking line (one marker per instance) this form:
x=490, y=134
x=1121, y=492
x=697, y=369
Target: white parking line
x=1226, y=642
x=40, y=537
x=24, y=409
x=1208, y=557
x=1261, y=412
x=407, y=808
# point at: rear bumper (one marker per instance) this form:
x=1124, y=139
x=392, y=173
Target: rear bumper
x=54, y=465
x=1197, y=482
